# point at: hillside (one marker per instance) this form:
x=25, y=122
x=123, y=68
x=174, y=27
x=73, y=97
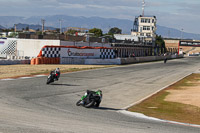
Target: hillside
x=105, y=24
x=1, y=27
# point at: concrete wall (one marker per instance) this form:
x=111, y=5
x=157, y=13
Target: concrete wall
x=14, y=62
x=147, y=59
x=90, y=61
x=72, y=61
x=32, y=47
x=117, y=61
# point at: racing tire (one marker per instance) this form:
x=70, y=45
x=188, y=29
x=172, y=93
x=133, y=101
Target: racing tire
x=165, y=61
x=78, y=103
x=90, y=104
x=97, y=104
x=49, y=81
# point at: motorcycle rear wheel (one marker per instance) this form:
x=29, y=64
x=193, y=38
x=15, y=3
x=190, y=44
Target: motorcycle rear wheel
x=97, y=104
x=90, y=104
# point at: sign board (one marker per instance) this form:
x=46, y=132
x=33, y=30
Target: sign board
x=2, y=41
x=87, y=38
x=80, y=53
x=190, y=43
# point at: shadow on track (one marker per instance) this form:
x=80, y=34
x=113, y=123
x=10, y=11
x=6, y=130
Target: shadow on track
x=64, y=84
x=105, y=108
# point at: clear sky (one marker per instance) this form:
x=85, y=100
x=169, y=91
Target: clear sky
x=179, y=14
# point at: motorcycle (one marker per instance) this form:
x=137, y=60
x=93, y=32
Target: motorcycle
x=165, y=60
x=90, y=99
x=52, y=77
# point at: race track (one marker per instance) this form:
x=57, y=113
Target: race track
x=31, y=106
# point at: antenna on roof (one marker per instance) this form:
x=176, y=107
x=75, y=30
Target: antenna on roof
x=60, y=20
x=143, y=6
x=43, y=22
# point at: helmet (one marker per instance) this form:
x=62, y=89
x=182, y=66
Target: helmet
x=99, y=91
x=57, y=69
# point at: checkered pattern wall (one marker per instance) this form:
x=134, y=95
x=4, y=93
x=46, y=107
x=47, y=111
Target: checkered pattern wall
x=51, y=52
x=9, y=48
x=55, y=52
x=107, y=54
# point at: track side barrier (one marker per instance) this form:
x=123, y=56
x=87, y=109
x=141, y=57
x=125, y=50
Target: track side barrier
x=33, y=61
x=84, y=47
x=45, y=60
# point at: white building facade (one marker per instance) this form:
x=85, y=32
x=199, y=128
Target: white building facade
x=126, y=37
x=144, y=26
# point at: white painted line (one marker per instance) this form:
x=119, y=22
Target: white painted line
x=137, y=102
x=142, y=116
x=39, y=75
x=24, y=78
x=8, y=79
x=138, y=115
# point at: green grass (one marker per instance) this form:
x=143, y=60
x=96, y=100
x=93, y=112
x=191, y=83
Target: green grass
x=156, y=106
x=185, y=82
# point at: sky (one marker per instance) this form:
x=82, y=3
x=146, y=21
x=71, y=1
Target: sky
x=179, y=14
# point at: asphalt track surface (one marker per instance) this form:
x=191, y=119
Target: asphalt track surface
x=31, y=106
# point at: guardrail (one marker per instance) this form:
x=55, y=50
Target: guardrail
x=13, y=62
x=116, y=61
x=147, y=59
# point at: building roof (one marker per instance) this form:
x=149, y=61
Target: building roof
x=147, y=16
x=77, y=28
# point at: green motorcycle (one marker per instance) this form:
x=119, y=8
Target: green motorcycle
x=90, y=99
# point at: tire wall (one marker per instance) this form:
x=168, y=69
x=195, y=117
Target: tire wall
x=45, y=60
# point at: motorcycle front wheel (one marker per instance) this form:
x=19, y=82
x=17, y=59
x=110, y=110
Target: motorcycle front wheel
x=78, y=103
x=49, y=80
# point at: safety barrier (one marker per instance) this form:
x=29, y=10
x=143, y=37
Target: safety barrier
x=45, y=60
x=54, y=48
x=13, y=62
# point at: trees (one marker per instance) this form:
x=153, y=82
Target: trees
x=13, y=34
x=71, y=32
x=57, y=30
x=12, y=29
x=160, y=43
x=27, y=28
x=97, y=32
x=114, y=30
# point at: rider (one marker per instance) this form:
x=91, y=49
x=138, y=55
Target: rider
x=165, y=57
x=56, y=73
x=88, y=94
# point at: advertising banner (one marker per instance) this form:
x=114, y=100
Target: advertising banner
x=2, y=42
x=190, y=43
x=80, y=53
